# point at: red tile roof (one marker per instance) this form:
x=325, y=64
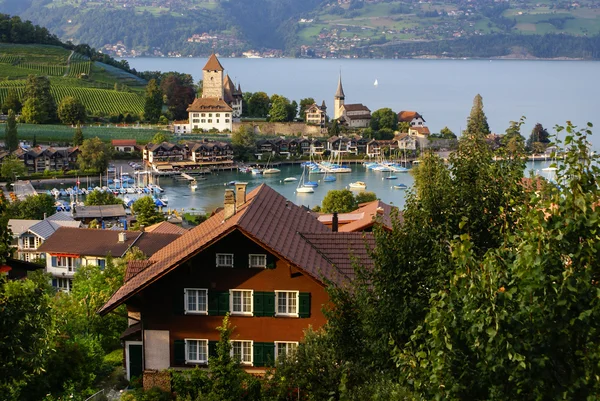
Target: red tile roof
x=364, y=217
x=164, y=227
x=209, y=104
x=123, y=142
x=420, y=130
x=356, y=107
x=408, y=116
x=213, y=64
x=266, y=217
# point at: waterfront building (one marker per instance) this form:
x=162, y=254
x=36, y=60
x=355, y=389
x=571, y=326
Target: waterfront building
x=316, y=114
x=47, y=158
x=168, y=156
x=124, y=145
x=351, y=115
x=260, y=258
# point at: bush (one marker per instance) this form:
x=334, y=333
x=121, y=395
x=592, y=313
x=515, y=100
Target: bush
x=114, y=358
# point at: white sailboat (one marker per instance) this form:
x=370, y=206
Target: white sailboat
x=376, y=83
x=301, y=187
x=271, y=169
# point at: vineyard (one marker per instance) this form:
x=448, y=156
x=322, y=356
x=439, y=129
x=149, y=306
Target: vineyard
x=64, y=134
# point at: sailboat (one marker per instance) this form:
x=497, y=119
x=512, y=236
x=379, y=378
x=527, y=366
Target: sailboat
x=301, y=187
x=270, y=170
x=376, y=83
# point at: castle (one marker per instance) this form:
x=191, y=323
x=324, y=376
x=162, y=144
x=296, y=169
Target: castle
x=220, y=104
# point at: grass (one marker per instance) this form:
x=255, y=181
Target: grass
x=64, y=134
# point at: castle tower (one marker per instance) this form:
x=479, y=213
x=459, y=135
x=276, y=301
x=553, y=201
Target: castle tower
x=338, y=100
x=212, y=78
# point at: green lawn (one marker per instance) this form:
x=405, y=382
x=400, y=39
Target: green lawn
x=63, y=134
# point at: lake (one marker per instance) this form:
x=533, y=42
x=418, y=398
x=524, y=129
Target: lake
x=549, y=92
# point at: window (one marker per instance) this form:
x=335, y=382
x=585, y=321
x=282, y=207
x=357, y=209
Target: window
x=195, y=115
x=102, y=263
x=196, y=120
x=256, y=260
x=196, y=300
x=217, y=120
x=226, y=114
x=203, y=120
x=287, y=303
x=226, y=120
x=225, y=259
x=210, y=120
x=218, y=115
x=283, y=348
x=241, y=302
x=203, y=115
x=64, y=284
x=242, y=350
x=196, y=351
x=210, y=114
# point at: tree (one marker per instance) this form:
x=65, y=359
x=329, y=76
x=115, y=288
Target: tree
x=226, y=374
x=384, y=118
x=11, y=140
x=513, y=140
x=305, y=104
x=94, y=155
x=153, y=103
x=364, y=197
x=259, y=105
x=179, y=93
x=244, y=143
x=12, y=102
x=279, y=111
x=477, y=121
x=446, y=133
x=403, y=126
x=341, y=201
x=334, y=128
x=292, y=111
x=43, y=107
x=538, y=135
x=95, y=198
x=34, y=141
x=11, y=168
x=71, y=111
x=33, y=207
x=145, y=212
x=160, y=137
x=78, y=136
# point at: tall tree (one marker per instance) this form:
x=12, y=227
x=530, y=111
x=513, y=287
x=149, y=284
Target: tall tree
x=145, y=212
x=33, y=112
x=538, y=135
x=11, y=168
x=259, y=105
x=38, y=88
x=78, y=136
x=11, y=139
x=384, y=118
x=12, y=102
x=244, y=143
x=280, y=109
x=341, y=201
x=477, y=122
x=95, y=198
x=305, y=104
x=153, y=103
x=94, y=155
x=179, y=92
x=34, y=207
x=71, y=111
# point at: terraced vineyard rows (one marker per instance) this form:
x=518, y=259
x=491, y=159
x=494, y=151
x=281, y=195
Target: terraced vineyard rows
x=46, y=69
x=95, y=100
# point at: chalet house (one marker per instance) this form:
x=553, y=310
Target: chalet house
x=299, y=146
x=205, y=152
x=69, y=248
x=316, y=114
x=419, y=131
x=262, y=259
x=353, y=144
x=163, y=152
x=103, y=213
x=124, y=145
x=377, y=147
x=31, y=234
x=317, y=147
x=411, y=117
x=373, y=148
x=406, y=141
x=39, y=159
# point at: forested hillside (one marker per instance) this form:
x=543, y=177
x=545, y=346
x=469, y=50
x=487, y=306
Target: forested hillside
x=318, y=28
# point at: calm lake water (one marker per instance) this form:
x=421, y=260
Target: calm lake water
x=549, y=92
x=210, y=192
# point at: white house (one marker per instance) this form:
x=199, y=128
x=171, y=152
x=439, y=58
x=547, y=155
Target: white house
x=411, y=117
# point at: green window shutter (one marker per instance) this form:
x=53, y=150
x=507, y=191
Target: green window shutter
x=178, y=302
x=212, y=348
x=258, y=354
x=304, y=309
x=213, y=303
x=268, y=304
x=258, y=303
x=268, y=354
x=179, y=352
x=223, y=303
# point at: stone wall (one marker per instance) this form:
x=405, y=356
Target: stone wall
x=288, y=129
x=157, y=378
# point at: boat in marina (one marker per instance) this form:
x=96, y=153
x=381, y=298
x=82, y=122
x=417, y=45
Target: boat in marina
x=290, y=179
x=193, y=185
x=302, y=187
x=358, y=185
x=271, y=169
x=400, y=186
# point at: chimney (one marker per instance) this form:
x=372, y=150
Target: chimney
x=229, y=204
x=122, y=237
x=334, y=222
x=240, y=193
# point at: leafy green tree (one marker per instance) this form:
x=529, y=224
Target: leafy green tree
x=292, y=110
x=78, y=136
x=363, y=197
x=259, y=105
x=305, y=104
x=225, y=371
x=11, y=168
x=446, y=133
x=28, y=331
x=34, y=207
x=71, y=111
x=278, y=111
x=538, y=135
x=334, y=128
x=11, y=140
x=513, y=140
x=403, y=126
x=179, y=92
x=153, y=103
x=341, y=201
x=145, y=212
x=160, y=137
x=384, y=118
x=12, y=102
x=244, y=143
x=94, y=155
x=44, y=108
x=102, y=198
x=477, y=121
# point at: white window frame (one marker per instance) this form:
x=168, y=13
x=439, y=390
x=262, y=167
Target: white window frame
x=224, y=255
x=287, y=313
x=187, y=291
x=257, y=255
x=287, y=347
x=242, y=362
x=241, y=313
x=199, y=341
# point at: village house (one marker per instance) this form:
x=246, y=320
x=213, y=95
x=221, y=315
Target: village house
x=352, y=144
x=351, y=115
x=299, y=146
x=192, y=154
x=124, y=145
x=411, y=117
x=105, y=214
x=162, y=152
x=29, y=235
x=316, y=114
x=42, y=158
x=206, y=152
x=69, y=248
x=260, y=258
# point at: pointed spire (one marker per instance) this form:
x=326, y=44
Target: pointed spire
x=323, y=107
x=213, y=64
x=339, y=94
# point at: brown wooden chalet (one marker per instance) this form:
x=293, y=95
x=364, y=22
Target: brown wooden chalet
x=39, y=159
x=262, y=259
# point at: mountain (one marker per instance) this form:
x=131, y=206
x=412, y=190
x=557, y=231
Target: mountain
x=317, y=28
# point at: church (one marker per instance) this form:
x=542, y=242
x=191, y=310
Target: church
x=351, y=115
x=219, y=105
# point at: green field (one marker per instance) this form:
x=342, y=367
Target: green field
x=62, y=134
x=72, y=74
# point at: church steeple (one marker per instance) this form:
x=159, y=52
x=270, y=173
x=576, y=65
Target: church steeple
x=338, y=100
x=339, y=94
